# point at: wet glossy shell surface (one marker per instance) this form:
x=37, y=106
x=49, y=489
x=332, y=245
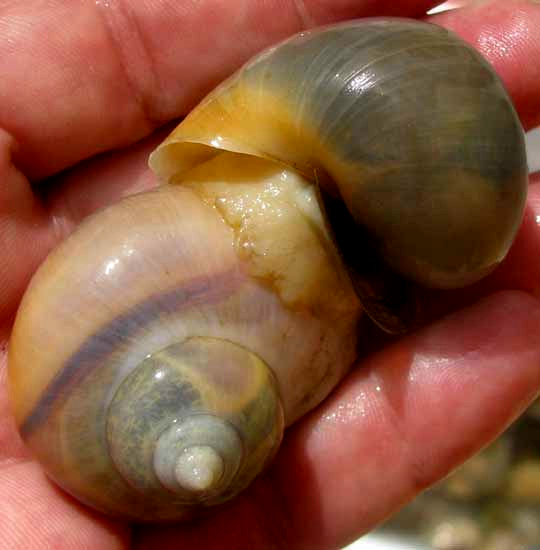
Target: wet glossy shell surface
x=402, y=119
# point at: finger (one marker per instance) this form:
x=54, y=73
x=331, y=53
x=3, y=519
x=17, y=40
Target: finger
x=26, y=233
x=507, y=33
x=121, y=68
x=399, y=423
x=35, y=515
x=94, y=184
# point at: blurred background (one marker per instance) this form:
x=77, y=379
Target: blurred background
x=533, y=150
x=493, y=501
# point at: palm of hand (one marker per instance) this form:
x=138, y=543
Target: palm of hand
x=415, y=408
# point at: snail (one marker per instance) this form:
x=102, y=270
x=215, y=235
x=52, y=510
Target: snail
x=161, y=350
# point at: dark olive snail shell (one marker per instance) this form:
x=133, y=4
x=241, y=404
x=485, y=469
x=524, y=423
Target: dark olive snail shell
x=161, y=349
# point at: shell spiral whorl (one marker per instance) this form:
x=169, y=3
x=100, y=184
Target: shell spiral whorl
x=195, y=417
x=160, y=337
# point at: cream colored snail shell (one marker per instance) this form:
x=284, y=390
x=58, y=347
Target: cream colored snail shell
x=161, y=349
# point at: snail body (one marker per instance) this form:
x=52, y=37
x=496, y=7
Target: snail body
x=174, y=335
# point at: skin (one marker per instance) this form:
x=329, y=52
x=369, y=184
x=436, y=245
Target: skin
x=80, y=105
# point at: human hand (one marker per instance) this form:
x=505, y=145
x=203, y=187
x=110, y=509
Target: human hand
x=82, y=81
